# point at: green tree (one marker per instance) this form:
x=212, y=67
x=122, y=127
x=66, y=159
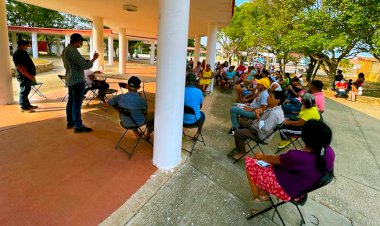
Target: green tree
x=22, y=14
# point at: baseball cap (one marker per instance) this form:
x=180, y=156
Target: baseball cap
x=23, y=43
x=264, y=81
x=76, y=37
x=134, y=82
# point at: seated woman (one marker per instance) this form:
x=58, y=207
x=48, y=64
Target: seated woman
x=229, y=77
x=244, y=81
x=294, y=126
x=357, y=88
x=206, y=78
x=291, y=174
x=293, y=103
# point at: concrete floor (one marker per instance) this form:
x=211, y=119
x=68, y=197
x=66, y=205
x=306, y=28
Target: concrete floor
x=206, y=189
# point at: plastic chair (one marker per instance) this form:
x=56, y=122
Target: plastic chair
x=300, y=200
x=127, y=113
x=259, y=142
x=36, y=90
x=198, y=124
x=63, y=80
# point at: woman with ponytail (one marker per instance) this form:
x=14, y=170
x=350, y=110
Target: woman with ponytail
x=291, y=174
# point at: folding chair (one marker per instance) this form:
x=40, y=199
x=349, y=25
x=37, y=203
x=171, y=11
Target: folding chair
x=36, y=90
x=127, y=113
x=63, y=80
x=292, y=141
x=94, y=92
x=141, y=91
x=198, y=125
x=258, y=141
x=300, y=200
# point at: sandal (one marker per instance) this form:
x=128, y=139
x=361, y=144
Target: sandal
x=257, y=205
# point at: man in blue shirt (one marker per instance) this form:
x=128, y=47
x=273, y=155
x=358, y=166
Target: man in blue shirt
x=193, y=99
x=136, y=105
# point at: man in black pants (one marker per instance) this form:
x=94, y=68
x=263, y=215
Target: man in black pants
x=25, y=74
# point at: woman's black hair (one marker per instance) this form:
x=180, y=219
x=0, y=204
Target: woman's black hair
x=317, y=136
x=279, y=95
x=361, y=75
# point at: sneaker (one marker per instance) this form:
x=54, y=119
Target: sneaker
x=33, y=106
x=231, y=132
x=284, y=143
x=27, y=109
x=83, y=129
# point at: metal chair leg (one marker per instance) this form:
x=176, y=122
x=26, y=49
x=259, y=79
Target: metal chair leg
x=302, y=219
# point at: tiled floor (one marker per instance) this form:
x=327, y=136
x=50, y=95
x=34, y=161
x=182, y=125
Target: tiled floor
x=51, y=176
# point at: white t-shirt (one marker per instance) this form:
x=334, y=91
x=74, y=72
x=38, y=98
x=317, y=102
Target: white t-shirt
x=87, y=74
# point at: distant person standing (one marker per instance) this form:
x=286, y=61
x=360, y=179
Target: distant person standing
x=75, y=65
x=25, y=74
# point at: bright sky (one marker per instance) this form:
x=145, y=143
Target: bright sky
x=239, y=2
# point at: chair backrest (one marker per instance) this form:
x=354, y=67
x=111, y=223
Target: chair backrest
x=189, y=110
x=122, y=86
x=276, y=128
x=62, y=77
x=126, y=112
x=325, y=180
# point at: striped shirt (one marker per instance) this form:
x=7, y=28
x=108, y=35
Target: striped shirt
x=75, y=65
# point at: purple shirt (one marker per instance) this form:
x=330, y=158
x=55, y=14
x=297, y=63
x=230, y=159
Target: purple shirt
x=298, y=173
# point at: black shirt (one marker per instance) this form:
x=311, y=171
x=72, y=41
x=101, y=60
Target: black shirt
x=21, y=58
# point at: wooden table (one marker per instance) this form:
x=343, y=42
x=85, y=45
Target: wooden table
x=124, y=77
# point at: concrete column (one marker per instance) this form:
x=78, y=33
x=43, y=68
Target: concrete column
x=6, y=90
x=67, y=40
x=110, y=50
x=97, y=34
x=173, y=24
x=127, y=48
x=211, y=48
x=197, y=47
x=14, y=41
x=34, y=45
x=58, y=45
x=152, y=48
x=122, y=50
x=91, y=46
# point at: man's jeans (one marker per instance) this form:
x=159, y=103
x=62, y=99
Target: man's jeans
x=235, y=112
x=25, y=87
x=74, y=105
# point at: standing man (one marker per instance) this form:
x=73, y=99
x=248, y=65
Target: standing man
x=75, y=65
x=25, y=74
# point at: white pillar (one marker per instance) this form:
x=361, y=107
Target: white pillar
x=97, y=34
x=91, y=46
x=197, y=46
x=127, y=48
x=211, y=48
x=58, y=45
x=67, y=40
x=173, y=23
x=122, y=50
x=110, y=50
x=14, y=41
x=6, y=90
x=152, y=48
x=34, y=45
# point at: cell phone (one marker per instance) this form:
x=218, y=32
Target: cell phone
x=262, y=163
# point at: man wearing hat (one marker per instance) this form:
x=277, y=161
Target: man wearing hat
x=193, y=99
x=248, y=110
x=75, y=65
x=136, y=105
x=25, y=74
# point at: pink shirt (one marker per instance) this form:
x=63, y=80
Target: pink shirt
x=320, y=101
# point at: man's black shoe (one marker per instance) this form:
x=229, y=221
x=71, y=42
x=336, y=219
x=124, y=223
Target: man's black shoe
x=33, y=106
x=83, y=129
x=69, y=126
x=231, y=132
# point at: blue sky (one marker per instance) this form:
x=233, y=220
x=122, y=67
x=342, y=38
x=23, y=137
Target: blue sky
x=239, y=2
